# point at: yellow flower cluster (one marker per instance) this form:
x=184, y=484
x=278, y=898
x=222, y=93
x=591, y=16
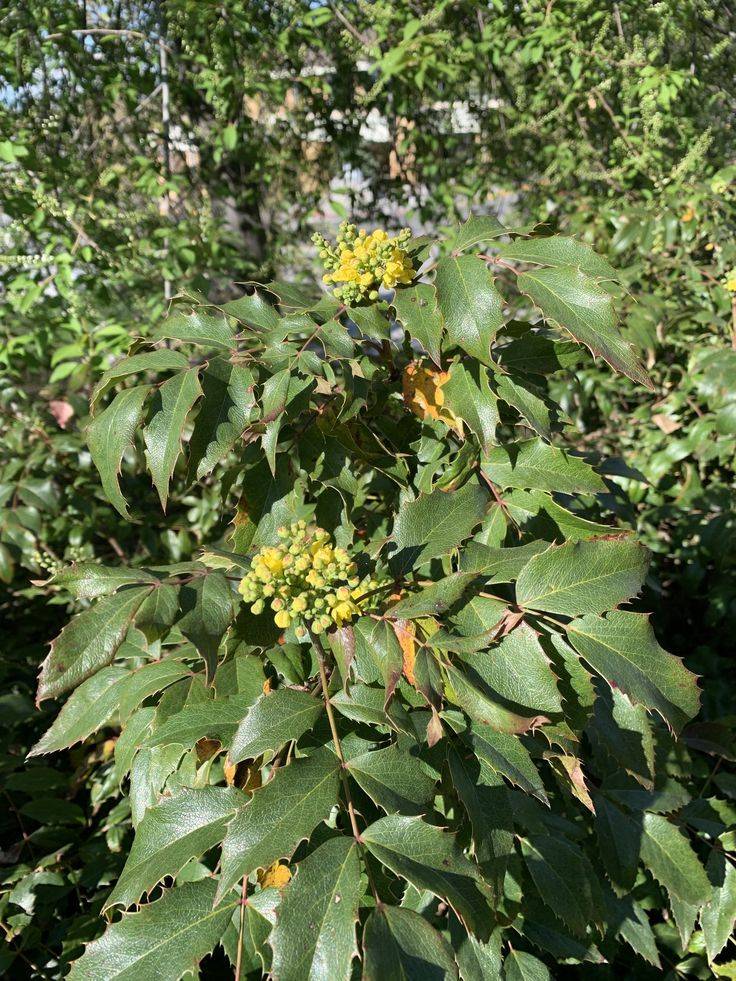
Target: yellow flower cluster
x=731, y=281
x=306, y=580
x=360, y=263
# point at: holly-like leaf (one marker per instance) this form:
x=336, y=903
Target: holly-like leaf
x=485, y=799
x=630, y=922
x=314, y=936
x=224, y=414
x=529, y=402
x=468, y=396
x=280, y=815
x=619, y=840
x=537, y=354
x=431, y=858
x=162, y=941
x=372, y=321
x=86, y=711
x=432, y=600
x=625, y=732
x=207, y=608
x=623, y=650
x=498, y=564
x=565, y=880
x=279, y=393
x=399, y=943
x=202, y=329
x=178, y=829
x=394, y=779
x=170, y=407
x=89, y=642
x=519, y=671
x=668, y=855
x=477, y=229
x=522, y=966
x=471, y=305
x=467, y=691
x=146, y=680
x=418, y=311
x=255, y=309
x=87, y=580
x=199, y=720
x=570, y=298
x=377, y=643
x=535, y=465
x=559, y=250
x=160, y=360
x=506, y=755
x=434, y=524
x=275, y=719
x=109, y=436
x=718, y=918
x=583, y=577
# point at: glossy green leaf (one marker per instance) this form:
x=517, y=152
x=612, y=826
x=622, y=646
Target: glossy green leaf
x=418, y=312
x=668, y=855
x=207, y=609
x=159, y=360
x=430, y=858
x=506, y=755
x=468, y=395
x=224, y=414
x=559, y=250
x=477, y=229
x=178, y=829
x=434, y=524
x=471, y=305
x=161, y=942
x=519, y=965
x=89, y=707
x=619, y=840
x=622, y=648
x=483, y=795
x=170, y=406
x=87, y=580
x=211, y=720
x=434, y=599
x=395, y=779
x=718, y=917
x=202, y=329
x=536, y=465
x=574, y=301
x=519, y=671
x=565, y=880
x=314, y=936
x=272, y=721
x=280, y=815
x=466, y=690
x=110, y=434
x=583, y=577
x=89, y=642
x=399, y=943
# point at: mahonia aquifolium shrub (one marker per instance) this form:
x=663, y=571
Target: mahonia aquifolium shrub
x=406, y=710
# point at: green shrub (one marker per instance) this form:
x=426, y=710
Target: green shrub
x=432, y=730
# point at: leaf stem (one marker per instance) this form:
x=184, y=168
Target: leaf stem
x=321, y=659
x=241, y=929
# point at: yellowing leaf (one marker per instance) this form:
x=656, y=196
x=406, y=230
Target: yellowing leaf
x=276, y=876
x=422, y=388
x=405, y=631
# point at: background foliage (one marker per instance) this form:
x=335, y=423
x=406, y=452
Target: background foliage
x=615, y=124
